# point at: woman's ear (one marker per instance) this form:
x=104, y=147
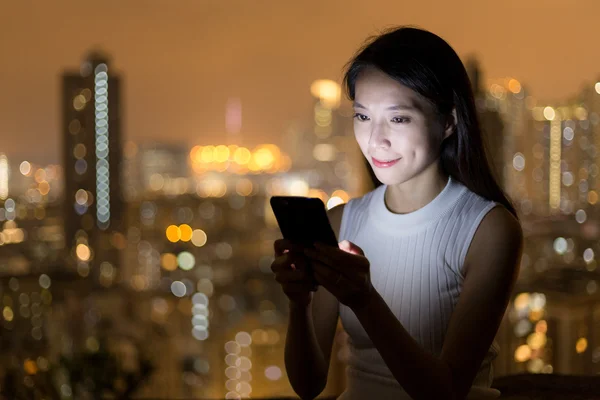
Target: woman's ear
x=451, y=124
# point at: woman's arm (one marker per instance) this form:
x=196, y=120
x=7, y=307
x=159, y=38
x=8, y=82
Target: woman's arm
x=491, y=266
x=310, y=335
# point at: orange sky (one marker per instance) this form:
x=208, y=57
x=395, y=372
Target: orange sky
x=182, y=59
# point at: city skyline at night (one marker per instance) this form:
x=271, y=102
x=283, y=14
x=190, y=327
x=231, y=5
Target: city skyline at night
x=180, y=78
x=142, y=144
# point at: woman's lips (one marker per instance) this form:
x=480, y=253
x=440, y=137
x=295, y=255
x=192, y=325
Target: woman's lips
x=384, y=163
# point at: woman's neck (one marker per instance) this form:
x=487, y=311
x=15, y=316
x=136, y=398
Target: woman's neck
x=416, y=193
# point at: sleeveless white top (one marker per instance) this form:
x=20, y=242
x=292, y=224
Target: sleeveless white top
x=416, y=265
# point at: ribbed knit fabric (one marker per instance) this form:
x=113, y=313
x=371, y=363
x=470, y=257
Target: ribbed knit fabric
x=416, y=265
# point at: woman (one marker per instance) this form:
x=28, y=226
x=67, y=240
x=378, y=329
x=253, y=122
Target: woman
x=428, y=259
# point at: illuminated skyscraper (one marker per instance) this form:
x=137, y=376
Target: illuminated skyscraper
x=574, y=126
x=492, y=126
x=92, y=163
x=326, y=151
x=565, y=155
x=519, y=155
x=552, y=173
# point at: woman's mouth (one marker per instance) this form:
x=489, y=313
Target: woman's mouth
x=384, y=163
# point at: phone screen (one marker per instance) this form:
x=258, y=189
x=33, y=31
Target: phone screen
x=303, y=220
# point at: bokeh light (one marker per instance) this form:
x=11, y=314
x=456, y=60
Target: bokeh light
x=83, y=252
x=173, y=233
x=178, y=288
x=169, y=261
x=25, y=168
x=549, y=113
x=185, y=233
x=186, y=260
x=523, y=353
x=581, y=345
x=199, y=238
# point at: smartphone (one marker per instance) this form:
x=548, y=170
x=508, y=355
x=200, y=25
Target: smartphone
x=303, y=220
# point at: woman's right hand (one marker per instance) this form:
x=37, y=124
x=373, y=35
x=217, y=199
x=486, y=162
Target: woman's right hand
x=292, y=272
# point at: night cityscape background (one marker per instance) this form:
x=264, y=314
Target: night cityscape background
x=142, y=140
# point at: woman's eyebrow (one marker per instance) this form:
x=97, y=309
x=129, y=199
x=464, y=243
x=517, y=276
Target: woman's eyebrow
x=393, y=108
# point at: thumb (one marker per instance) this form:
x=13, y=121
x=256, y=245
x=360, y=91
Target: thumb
x=350, y=247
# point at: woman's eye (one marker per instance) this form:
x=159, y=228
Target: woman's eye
x=400, y=120
x=361, y=117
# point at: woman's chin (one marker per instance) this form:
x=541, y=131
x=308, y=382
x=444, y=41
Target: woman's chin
x=388, y=179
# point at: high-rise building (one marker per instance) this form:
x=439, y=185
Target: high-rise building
x=551, y=171
x=92, y=162
x=162, y=165
x=572, y=128
x=519, y=155
x=325, y=151
x=492, y=127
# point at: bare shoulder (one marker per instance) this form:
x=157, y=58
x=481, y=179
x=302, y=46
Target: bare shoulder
x=492, y=268
x=499, y=234
x=501, y=223
x=335, y=217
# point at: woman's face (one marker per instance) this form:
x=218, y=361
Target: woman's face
x=392, y=122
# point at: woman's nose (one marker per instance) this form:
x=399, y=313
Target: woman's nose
x=379, y=139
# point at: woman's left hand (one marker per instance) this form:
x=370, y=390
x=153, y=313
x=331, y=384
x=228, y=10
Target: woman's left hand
x=343, y=271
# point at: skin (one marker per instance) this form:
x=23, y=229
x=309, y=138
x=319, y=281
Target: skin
x=414, y=135
x=390, y=122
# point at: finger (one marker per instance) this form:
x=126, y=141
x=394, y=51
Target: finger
x=282, y=263
x=328, y=282
x=299, y=287
x=324, y=255
x=356, y=249
x=350, y=247
x=333, y=256
x=344, y=245
x=280, y=245
x=298, y=275
x=323, y=273
x=298, y=261
x=289, y=261
x=329, y=277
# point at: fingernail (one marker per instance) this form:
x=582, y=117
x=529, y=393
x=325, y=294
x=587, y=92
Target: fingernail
x=286, y=251
x=293, y=266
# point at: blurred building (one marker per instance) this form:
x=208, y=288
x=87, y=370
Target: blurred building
x=35, y=183
x=492, y=127
x=324, y=149
x=155, y=167
x=548, y=152
x=202, y=251
x=204, y=258
x=31, y=234
x=552, y=323
x=193, y=310
x=545, y=156
x=93, y=204
x=504, y=109
x=551, y=171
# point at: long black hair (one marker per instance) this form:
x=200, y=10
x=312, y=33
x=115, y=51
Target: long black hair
x=425, y=63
